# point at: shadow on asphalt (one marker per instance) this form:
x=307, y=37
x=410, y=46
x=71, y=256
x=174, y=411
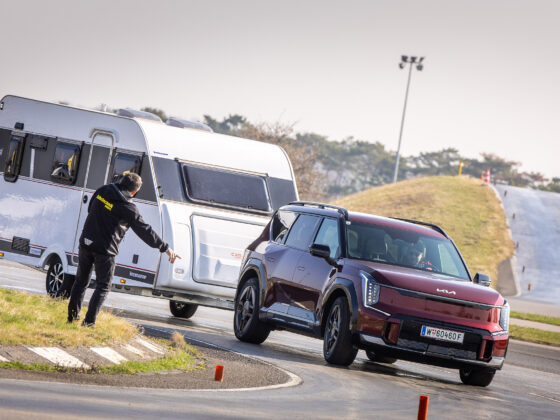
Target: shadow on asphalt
x=280, y=351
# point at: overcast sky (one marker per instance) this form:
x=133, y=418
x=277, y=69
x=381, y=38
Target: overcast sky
x=489, y=84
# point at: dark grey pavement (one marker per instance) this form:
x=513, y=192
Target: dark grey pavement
x=527, y=387
x=534, y=220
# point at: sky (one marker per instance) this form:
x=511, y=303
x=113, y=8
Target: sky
x=489, y=83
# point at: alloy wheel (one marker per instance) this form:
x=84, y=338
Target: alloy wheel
x=245, y=307
x=56, y=277
x=333, y=328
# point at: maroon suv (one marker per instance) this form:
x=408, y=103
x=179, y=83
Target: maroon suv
x=398, y=289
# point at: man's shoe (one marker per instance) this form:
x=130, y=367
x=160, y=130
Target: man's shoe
x=70, y=319
x=88, y=324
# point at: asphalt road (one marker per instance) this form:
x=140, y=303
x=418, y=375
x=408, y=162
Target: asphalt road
x=527, y=387
x=534, y=220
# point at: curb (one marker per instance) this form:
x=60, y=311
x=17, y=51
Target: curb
x=509, y=264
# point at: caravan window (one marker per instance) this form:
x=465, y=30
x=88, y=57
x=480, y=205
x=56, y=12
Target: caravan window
x=66, y=162
x=124, y=163
x=13, y=158
x=230, y=188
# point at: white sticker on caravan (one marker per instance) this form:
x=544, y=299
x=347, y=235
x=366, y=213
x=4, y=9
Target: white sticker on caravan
x=35, y=251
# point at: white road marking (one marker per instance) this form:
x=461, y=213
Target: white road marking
x=58, y=357
x=109, y=354
x=3, y=359
x=544, y=396
x=150, y=346
x=134, y=350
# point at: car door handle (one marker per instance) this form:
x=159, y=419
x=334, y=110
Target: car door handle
x=301, y=268
x=271, y=259
x=85, y=198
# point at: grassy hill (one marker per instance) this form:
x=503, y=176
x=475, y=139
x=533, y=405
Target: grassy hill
x=467, y=209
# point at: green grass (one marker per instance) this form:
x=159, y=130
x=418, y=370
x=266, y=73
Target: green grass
x=37, y=320
x=535, y=336
x=536, y=318
x=467, y=209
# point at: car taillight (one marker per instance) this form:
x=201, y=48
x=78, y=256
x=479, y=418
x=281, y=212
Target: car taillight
x=500, y=348
x=370, y=289
x=504, y=316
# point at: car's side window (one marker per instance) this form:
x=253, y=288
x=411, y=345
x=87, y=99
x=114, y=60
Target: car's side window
x=328, y=235
x=301, y=233
x=281, y=223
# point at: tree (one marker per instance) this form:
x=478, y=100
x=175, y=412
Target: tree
x=229, y=125
x=309, y=178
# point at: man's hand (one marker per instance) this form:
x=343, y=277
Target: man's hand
x=172, y=256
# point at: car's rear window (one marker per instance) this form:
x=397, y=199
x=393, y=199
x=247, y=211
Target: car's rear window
x=405, y=248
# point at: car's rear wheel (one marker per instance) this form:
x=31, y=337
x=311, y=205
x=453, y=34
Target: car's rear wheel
x=476, y=376
x=379, y=358
x=182, y=309
x=246, y=323
x=337, y=340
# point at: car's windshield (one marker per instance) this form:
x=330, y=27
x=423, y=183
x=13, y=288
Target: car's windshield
x=405, y=248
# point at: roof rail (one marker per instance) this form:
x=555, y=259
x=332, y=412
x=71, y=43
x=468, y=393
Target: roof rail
x=430, y=225
x=341, y=210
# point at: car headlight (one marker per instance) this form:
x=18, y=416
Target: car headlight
x=370, y=289
x=504, y=316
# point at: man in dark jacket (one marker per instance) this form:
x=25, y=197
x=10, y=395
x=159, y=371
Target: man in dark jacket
x=110, y=213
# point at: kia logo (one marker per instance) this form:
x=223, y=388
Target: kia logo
x=446, y=291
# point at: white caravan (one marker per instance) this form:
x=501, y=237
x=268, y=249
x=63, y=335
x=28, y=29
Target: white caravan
x=208, y=195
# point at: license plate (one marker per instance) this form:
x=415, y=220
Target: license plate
x=441, y=334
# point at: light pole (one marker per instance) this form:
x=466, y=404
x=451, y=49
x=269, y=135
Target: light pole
x=419, y=66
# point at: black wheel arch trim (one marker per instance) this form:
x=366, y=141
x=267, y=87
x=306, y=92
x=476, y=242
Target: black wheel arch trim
x=347, y=286
x=255, y=265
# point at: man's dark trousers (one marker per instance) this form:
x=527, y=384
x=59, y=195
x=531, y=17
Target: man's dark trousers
x=104, y=267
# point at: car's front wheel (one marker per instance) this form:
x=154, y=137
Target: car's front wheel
x=246, y=323
x=337, y=339
x=181, y=309
x=379, y=358
x=476, y=376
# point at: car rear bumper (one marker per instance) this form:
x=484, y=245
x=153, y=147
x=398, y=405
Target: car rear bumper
x=428, y=355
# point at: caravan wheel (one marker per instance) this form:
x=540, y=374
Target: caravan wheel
x=55, y=277
x=181, y=309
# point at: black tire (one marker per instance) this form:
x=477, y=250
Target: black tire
x=337, y=340
x=55, y=278
x=182, y=309
x=476, y=376
x=246, y=323
x=380, y=358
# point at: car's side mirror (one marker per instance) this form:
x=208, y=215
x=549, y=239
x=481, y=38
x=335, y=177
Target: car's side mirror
x=322, y=251
x=482, y=279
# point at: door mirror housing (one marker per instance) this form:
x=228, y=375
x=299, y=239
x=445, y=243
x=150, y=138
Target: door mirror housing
x=482, y=279
x=322, y=251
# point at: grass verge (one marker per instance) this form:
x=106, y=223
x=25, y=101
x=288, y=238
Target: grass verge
x=537, y=318
x=37, y=320
x=534, y=336
x=466, y=208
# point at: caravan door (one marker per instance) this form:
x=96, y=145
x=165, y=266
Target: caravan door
x=101, y=150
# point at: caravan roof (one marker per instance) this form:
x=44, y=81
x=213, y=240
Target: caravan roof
x=215, y=149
